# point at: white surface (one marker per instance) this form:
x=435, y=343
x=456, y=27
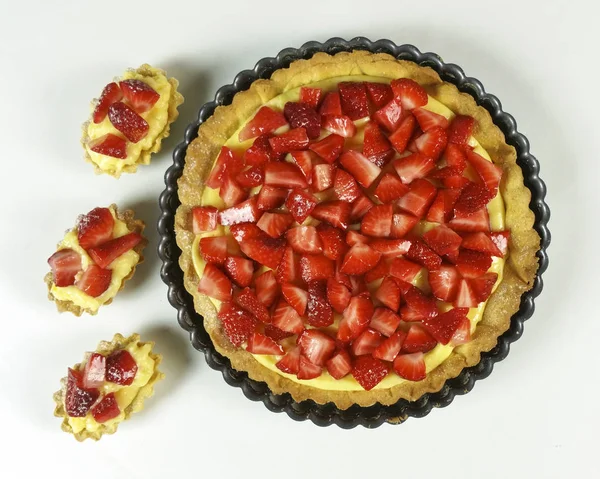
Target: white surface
x=536, y=416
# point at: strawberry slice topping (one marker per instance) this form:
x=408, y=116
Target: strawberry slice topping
x=428, y=120
x=390, y=115
x=460, y=129
x=411, y=94
x=419, y=302
x=481, y=242
x=402, y=224
x=311, y=96
x=444, y=325
x=308, y=370
x=65, y=264
x=288, y=269
x=329, y=148
x=300, y=204
x=204, y=218
x=338, y=295
x=332, y=104
x=489, y=173
x=295, y=139
x=275, y=224
x=390, y=188
x=246, y=212
x=290, y=363
x=473, y=197
x=353, y=96
x=106, y=409
x=316, y=346
x=215, y=284
x=472, y=264
x=94, y=373
x=483, y=285
x=302, y=115
x=465, y=295
x=259, y=153
x=442, y=240
x=418, y=340
x=444, y=283
x=271, y=197
x=360, y=167
x=336, y=213
x=376, y=146
x=316, y=268
x=231, y=192
x=432, y=142
x=248, y=301
x=500, y=239
x=334, y=246
x=410, y=366
x=345, y=186
x=304, y=160
x=266, y=120
x=127, y=121
x=103, y=255
x=261, y=344
x=94, y=281
x=141, y=96
x=305, y=239
x=385, y=321
x=110, y=94
x=240, y=270
x=355, y=318
x=251, y=177
x=413, y=166
x=366, y=343
x=267, y=288
x=419, y=197
x=360, y=259
x=95, y=228
x=296, y=297
x=405, y=270
x=403, y=133
x=284, y=175
x=237, y=323
x=360, y=206
x=339, y=125
x=275, y=333
x=121, y=368
x=78, y=400
x=442, y=208
x=287, y=318
x=340, y=364
x=378, y=221
x=109, y=145
x=369, y=372
x=379, y=93
x=389, y=293
x=228, y=162
x=478, y=221
x=390, y=347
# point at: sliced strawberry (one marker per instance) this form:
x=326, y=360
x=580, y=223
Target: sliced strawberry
x=266, y=120
x=355, y=318
x=271, y=197
x=240, y=270
x=457, y=182
x=204, y=218
x=228, y=162
x=500, y=239
x=308, y=370
x=462, y=334
x=109, y=145
x=455, y=156
x=413, y=166
x=444, y=173
x=389, y=293
x=403, y=133
x=338, y=295
x=432, y=143
x=121, y=368
x=329, y=148
x=376, y=146
x=481, y=242
x=390, y=188
x=231, y=191
x=405, y=270
x=251, y=177
x=409, y=315
x=94, y=281
x=94, y=373
x=411, y=94
x=275, y=224
x=261, y=344
x=339, y=125
x=245, y=212
x=418, y=340
x=460, y=129
x=284, y=175
x=418, y=302
x=443, y=326
x=295, y=296
x=264, y=250
x=244, y=231
x=478, y=221
x=390, y=115
x=316, y=346
x=345, y=186
x=302, y=115
x=311, y=96
x=465, y=295
x=360, y=206
x=402, y=224
x=300, y=203
x=260, y=152
x=65, y=264
x=318, y=309
x=288, y=269
x=360, y=259
x=267, y=288
x=304, y=161
x=444, y=283
x=214, y=249
x=322, y=177
x=139, y=94
x=249, y=302
x=369, y=372
x=360, y=167
x=379, y=93
x=336, y=213
x=410, y=366
x=483, y=286
x=420, y=253
x=290, y=363
x=95, y=228
x=305, y=239
x=428, y=119
x=275, y=333
x=316, y=268
x=472, y=198
x=334, y=246
x=353, y=96
x=358, y=286
x=489, y=173
x=366, y=343
x=127, y=121
x=353, y=237
x=419, y=198
x=380, y=270
x=384, y=321
x=295, y=139
x=472, y=264
x=378, y=221
x=390, y=347
x=106, y=409
x=339, y=365
x=287, y=318
x=237, y=323
x=442, y=240
x=442, y=208
x=332, y=104
x=110, y=94
x=215, y=284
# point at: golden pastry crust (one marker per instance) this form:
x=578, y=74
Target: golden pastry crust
x=134, y=226
x=104, y=347
x=519, y=270
x=175, y=100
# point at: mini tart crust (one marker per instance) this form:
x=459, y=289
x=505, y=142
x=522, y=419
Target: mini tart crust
x=519, y=270
x=144, y=158
x=133, y=225
x=104, y=347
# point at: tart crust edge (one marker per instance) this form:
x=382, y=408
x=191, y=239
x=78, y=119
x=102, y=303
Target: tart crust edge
x=519, y=270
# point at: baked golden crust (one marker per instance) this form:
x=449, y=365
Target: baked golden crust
x=519, y=270
x=104, y=347
x=175, y=100
x=134, y=226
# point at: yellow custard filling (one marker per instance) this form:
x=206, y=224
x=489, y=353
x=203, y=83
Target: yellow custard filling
x=120, y=267
x=157, y=118
x=440, y=353
x=123, y=394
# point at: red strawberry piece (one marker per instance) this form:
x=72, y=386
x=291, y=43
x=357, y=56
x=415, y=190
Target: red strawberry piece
x=311, y=96
x=409, y=315
x=290, y=363
x=110, y=94
x=418, y=340
x=284, y=175
x=360, y=206
x=121, y=368
x=288, y=269
x=378, y=221
x=78, y=400
x=403, y=133
x=380, y=270
x=442, y=208
x=390, y=347
x=302, y=115
x=390, y=115
x=65, y=264
x=215, y=284
x=339, y=365
x=301, y=204
x=127, y=121
x=109, y=145
x=391, y=247
x=339, y=125
x=214, y=249
x=379, y=93
x=360, y=167
x=481, y=242
x=261, y=344
x=376, y=146
x=411, y=94
x=267, y=288
x=366, y=343
x=402, y=224
x=489, y=173
x=248, y=301
x=410, y=366
x=385, y=321
x=94, y=372
x=355, y=318
x=472, y=198
x=360, y=259
x=103, y=255
x=94, y=280
x=338, y=295
x=413, y=166
x=336, y=213
x=483, y=286
x=390, y=188
x=271, y=197
x=405, y=270
x=334, y=246
x=229, y=162
x=478, y=221
x=295, y=296
x=275, y=333
x=304, y=160
x=316, y=346
x=465, y=295
x=444, y=325
x=308, y=370
x=457, y=182
x=316, y=267
x=245, y=231
x=287, y=318
x=251, y=177
x=442, y=240
x=139, y=95
x=428, y=120
x=353, y=237
x=322, y=177
x=369, y=372
x=237, y=323
x=295, y=139
x=432, y=142
x=443, y=173
x=389, y=293
x=204, y=218
x=245, y=212
x=305, y=239
x=106, y=409
x=266, y=120
x=260, y=152
x=345, y=186
x=354, y=99
x=275, y=224
x=444, y=283
x=472, y=264
x=417, y=301
x=231, y=191
x=358, y=286
x=95, y=228
x=455, y=156
x=500, y=239
x=460, y=129
x=240, y=270
x=420, y=253
x=419, y=198
x=329, y=148
x=462, y=334
x=332, y=104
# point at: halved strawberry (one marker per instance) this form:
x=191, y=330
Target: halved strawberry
x=390, y=115
x=271, y=197
x=465, y=295
x=428, y=119
x=237, y=323
x=110, y=94
x=304, y=160
x=265, y=250
x=334, y=246
x=379, y=93
x=332, y=104
x=472, y=264
x=336, y=213
x=316, y=268
x=275, y=224
x=287, y=318
x=214, y=249
x=139, y=94
x=444, y=283
x=109, y=145
x=457, y=182
x=360, y=259
x=369, y=372
x=240, y=270
x=284, y=175
x=442, y=208
x=478, y=221
x=127, y=121
x=402, y=224
x=444, y=325
x=215, y=284
x=94, y=281
x=444, y=173
x=339, y=125
x=380, y=270
x=345, y=186
x=288, y=269
x=316, y=346
x=419, y=198
x=311, y=96
x=65, y=264
x=329, y=148
x=455, y=156
x=295, y=139
x=266, y=120
x=378, y=221
x=360, y=167
x=405, y=270
x=121, y=368
x=411, y=94
x=302, y=115
x=500, y=239
x=295, y=296
x=460, y=129
x=462, y=334
x=290, y=363
x=420, y=303
x=275, y=333
x=251, y=177
x=442, y=240
x=94, y=373
x=390, y=188
x=95, y=228
x=402, y=135
x=260, y=152
x=231, y=191
x=384, y=321
x=389, y=293
x=305, y=239
x=413, y=166
x=261, y=344
x=376, y=146
x=366, y=342
x=489, y=173
x=409, y=315
x=244, y=231
x=481, y=242
x=410, y=366
x=228, y=162
x=245, y=212
x=483, y=286
x=472, y=198
x=318, y=309
x=248, y=301
x=106, y=409
x=390, y=347
x=432, y=143
x=360, y=206
x=204, y=218
x=353, y=96
x=420, y=253
x=338, y=295
x=355, y=318
x=267, y=288
x=322, y=177
x=308, y=370
x=104, y=254
x=353, y=237
x=418, y=340
x=339, y=365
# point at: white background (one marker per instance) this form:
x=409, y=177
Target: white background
x=536, y=416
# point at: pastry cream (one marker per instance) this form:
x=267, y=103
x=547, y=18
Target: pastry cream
x=121, y=267
x=441, y=352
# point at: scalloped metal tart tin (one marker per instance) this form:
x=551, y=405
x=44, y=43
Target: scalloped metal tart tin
x=327, y=414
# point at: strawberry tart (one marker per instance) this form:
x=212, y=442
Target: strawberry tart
x=354, y=230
